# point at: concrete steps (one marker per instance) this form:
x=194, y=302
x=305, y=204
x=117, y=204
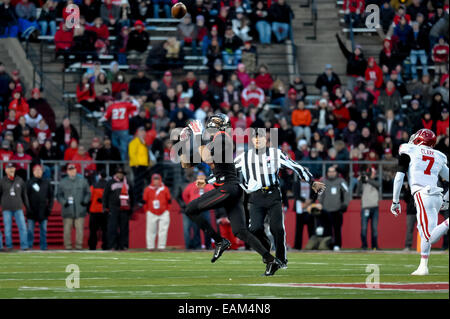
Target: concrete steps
x=312, y=55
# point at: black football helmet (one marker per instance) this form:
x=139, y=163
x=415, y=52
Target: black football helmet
x=218, y=121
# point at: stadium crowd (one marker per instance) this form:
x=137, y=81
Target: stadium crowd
x=365, y=116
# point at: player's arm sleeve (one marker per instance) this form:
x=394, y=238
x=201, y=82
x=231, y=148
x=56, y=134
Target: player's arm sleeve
x=302, y=172
x=403, y=164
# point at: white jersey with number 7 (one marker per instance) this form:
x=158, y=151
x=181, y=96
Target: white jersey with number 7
x=426, y=164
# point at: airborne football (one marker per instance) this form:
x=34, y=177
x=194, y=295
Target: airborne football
x=224, y=150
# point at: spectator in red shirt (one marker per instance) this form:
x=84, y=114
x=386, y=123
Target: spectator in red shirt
x=264, y=80
x=401, y=12
x=157, y=201
x=71, y=151
x=374, y=73
x=11, y=122
x=5, y=153
x=19, y=104
x=442, y=125
x=119, y=84
x=252, y=95
x=21, y=168
x=63, y=41
x=86, y=94
x=83, y=155
x=100, y=29
x=342, y=115
x=119, y=113
x=193, y=191
x=440, y=58
x=353, y=9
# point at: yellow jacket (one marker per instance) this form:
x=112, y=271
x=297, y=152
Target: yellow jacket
x=138, y=153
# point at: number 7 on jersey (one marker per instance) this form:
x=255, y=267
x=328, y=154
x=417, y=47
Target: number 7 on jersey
x=430, y=164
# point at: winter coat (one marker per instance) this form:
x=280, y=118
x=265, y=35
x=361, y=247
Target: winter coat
x=389, y=101
x=97, y=190
x=374, y=74
x=356, y=65
x=301, y=117
x=111, y=195
x=63, y=39
x=281, y=13
x=20, y=198
x=157, y=199
x=369, y=193
x=336, y=196
x=138, y=153
x=78, y=188
x=419, y=41
x=138, y=41
x=40, y=196
x=323, y=81
x=192, y=192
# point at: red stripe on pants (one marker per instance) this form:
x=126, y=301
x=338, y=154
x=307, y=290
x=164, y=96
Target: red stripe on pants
x=424, y=215
x=421, y=218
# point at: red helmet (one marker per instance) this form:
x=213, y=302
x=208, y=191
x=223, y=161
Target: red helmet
x=424, y=137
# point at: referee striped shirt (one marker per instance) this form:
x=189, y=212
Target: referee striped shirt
x=257, y=170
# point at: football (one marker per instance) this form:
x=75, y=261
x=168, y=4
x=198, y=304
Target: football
x=179, y=10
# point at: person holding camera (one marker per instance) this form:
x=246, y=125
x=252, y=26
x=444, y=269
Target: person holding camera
x=367, y=188
x=74, y=196
x=321, y=238
x=193, y=191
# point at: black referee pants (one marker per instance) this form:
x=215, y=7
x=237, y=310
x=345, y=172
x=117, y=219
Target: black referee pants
x=228, y=196
x=263, y=204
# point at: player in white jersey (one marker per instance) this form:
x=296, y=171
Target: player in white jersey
x=424, y=165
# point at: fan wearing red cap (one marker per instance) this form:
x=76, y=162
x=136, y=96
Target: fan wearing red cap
x=22, y=166
x=424, y=165
x=157, y=200
x=138, y=39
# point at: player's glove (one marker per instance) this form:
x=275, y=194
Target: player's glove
x=196, y=126
x=444, y=205
x=396, y=209
x=318, y=187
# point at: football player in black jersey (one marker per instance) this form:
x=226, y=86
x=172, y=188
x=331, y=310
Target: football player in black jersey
x=216, y=150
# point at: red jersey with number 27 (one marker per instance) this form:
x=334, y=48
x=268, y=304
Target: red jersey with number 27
x=119, y=114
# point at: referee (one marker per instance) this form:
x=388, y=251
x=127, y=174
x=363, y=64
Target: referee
x=258, y=168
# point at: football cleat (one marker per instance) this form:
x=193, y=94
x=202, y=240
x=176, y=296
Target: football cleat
x=421, y=271
x=220, y=248
x=272, y=267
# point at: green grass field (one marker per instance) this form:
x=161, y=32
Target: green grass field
x=191, y=275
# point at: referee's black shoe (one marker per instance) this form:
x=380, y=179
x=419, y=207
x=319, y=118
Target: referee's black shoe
x=272, y=267
x=220, y=248
x=284, y=264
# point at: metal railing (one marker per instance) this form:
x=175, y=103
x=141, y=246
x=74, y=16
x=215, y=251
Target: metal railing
x=313, y=5
x=172, y=173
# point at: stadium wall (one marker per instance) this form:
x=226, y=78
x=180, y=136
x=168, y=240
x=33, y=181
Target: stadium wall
x=391, y=230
